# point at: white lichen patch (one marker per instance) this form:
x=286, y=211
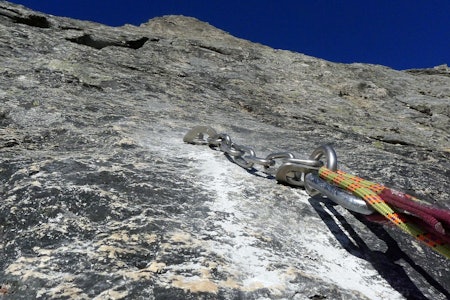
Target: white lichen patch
x=111, y=294
x=122, y=243
x=195, y=284
x=66, y=290
x=46, y=264
x=43, y=267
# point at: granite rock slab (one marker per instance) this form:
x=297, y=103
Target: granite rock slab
x=101, y=199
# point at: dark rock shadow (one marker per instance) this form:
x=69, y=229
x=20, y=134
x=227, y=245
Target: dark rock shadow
x=386, y=263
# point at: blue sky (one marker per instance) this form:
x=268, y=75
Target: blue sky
x=401, y=34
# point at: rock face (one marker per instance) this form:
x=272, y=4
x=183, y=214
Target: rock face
x=100, y=198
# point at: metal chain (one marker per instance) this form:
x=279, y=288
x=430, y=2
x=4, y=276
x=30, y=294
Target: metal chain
x=317, y=177
x=290, y=171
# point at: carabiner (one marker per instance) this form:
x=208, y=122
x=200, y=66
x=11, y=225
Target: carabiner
x=337, y=195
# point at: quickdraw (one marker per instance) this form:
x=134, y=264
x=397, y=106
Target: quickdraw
x=373, y=193
x=425, y=223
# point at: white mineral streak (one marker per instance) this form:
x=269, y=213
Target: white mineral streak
x=254, y=265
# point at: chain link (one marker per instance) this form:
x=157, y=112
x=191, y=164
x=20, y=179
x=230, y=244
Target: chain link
x=283, y=165
x=291, y=171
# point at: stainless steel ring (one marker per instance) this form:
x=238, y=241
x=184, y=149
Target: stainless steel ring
x=330, y=155
x=276, y=155
x=260, y=161
x=331, y=163
x=298, y=168
x=242, y=160
x=312, y=164
x=272, y=170
x=196, y=135
x=227, y=146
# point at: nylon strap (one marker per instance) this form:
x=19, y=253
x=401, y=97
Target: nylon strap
x=369, y=191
